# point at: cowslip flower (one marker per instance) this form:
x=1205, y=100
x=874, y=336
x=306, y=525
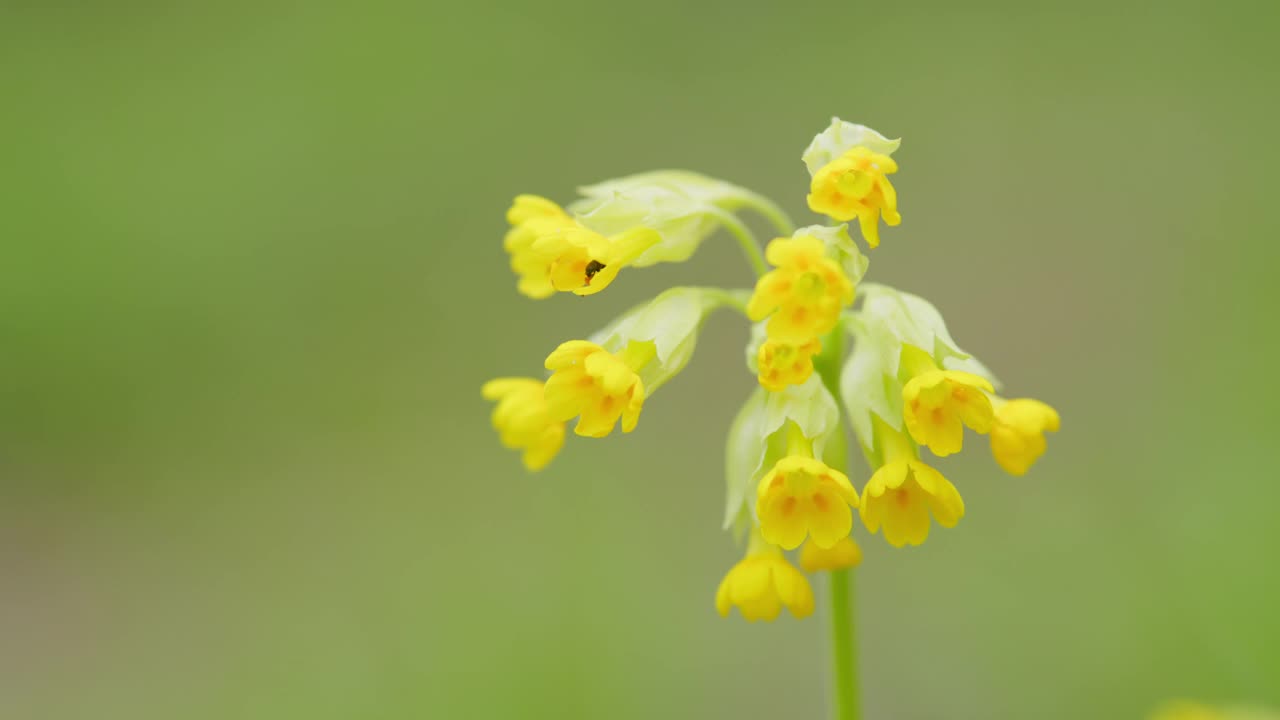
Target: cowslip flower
x=530, y=217
x=797, y=420
x=522, y=420
x=801, y=496
x=904, y=492
x=551, y=252
x=854, y=186
x=584, y=262
x=1017, y=433
x=938, y=403
x=847, y=164
x=901, y=496
x=844, y=554
x=803, y=297
x=596, y=386
x=782, y=363
x=903, y=381
x=762, y=583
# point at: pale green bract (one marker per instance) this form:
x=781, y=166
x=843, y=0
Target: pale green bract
x=842, y=137
x=870, y=381
x=686, y=182
x=759, y=336
x=671, y=322
x=757, y=439
x=894, y=318
x=683, y=207
x=867, y=387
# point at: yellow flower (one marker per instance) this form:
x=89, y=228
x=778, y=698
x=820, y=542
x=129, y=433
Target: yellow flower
x=585, y=262
x=761, y=583
x=854, y=185
x=522, y=421
x=801, y=496
x=598, y=386
x=807, y=290
x=938, y=403
x=1185, y=710
x=530, y=217
x=781, y=364
x=1017, y=435
x=551, y=253
x=844, y=554
x=900, y=497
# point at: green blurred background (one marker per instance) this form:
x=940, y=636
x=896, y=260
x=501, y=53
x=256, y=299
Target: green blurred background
x=252, y=280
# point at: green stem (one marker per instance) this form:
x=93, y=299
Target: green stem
x=750, y=247
x=844, y=650
x=844, y=654
x=771, y=212
x=736, y=299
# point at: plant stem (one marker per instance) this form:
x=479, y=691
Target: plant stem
x=844, y=649
x=774, y=214
x=844, y=654
x=748, y=241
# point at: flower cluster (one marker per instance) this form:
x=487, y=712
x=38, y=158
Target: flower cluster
x=904, y=384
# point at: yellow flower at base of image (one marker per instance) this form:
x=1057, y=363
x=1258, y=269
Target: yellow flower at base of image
x=522, y=420
x=854, y=186
x=803, y=297
x=902, y=495
x=762, y=583
x=844, y=554
x=1187, y=710
x=938, y=404
x=781, y=364
x=550, y=252
x=803, y=497
x=596, y=386
x=1017, y=434
x=1183, y=710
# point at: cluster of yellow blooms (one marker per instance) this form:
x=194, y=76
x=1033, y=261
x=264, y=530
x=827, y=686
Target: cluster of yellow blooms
x=905, y=385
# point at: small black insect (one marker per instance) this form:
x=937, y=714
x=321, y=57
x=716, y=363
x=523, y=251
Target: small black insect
x=593, y=267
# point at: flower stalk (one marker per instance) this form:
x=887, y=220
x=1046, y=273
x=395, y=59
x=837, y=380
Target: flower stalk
x=840, y=582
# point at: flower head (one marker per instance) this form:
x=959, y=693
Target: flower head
x=805, y=294
x=938, y=403
x=551, y=252
x=597, y=386
x=844, y=554
x=854, y=186
x=522, y=420
x=761, y=584
x=1017, y=435
x=782, y=363
x=801, y=496
x=902, y=494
